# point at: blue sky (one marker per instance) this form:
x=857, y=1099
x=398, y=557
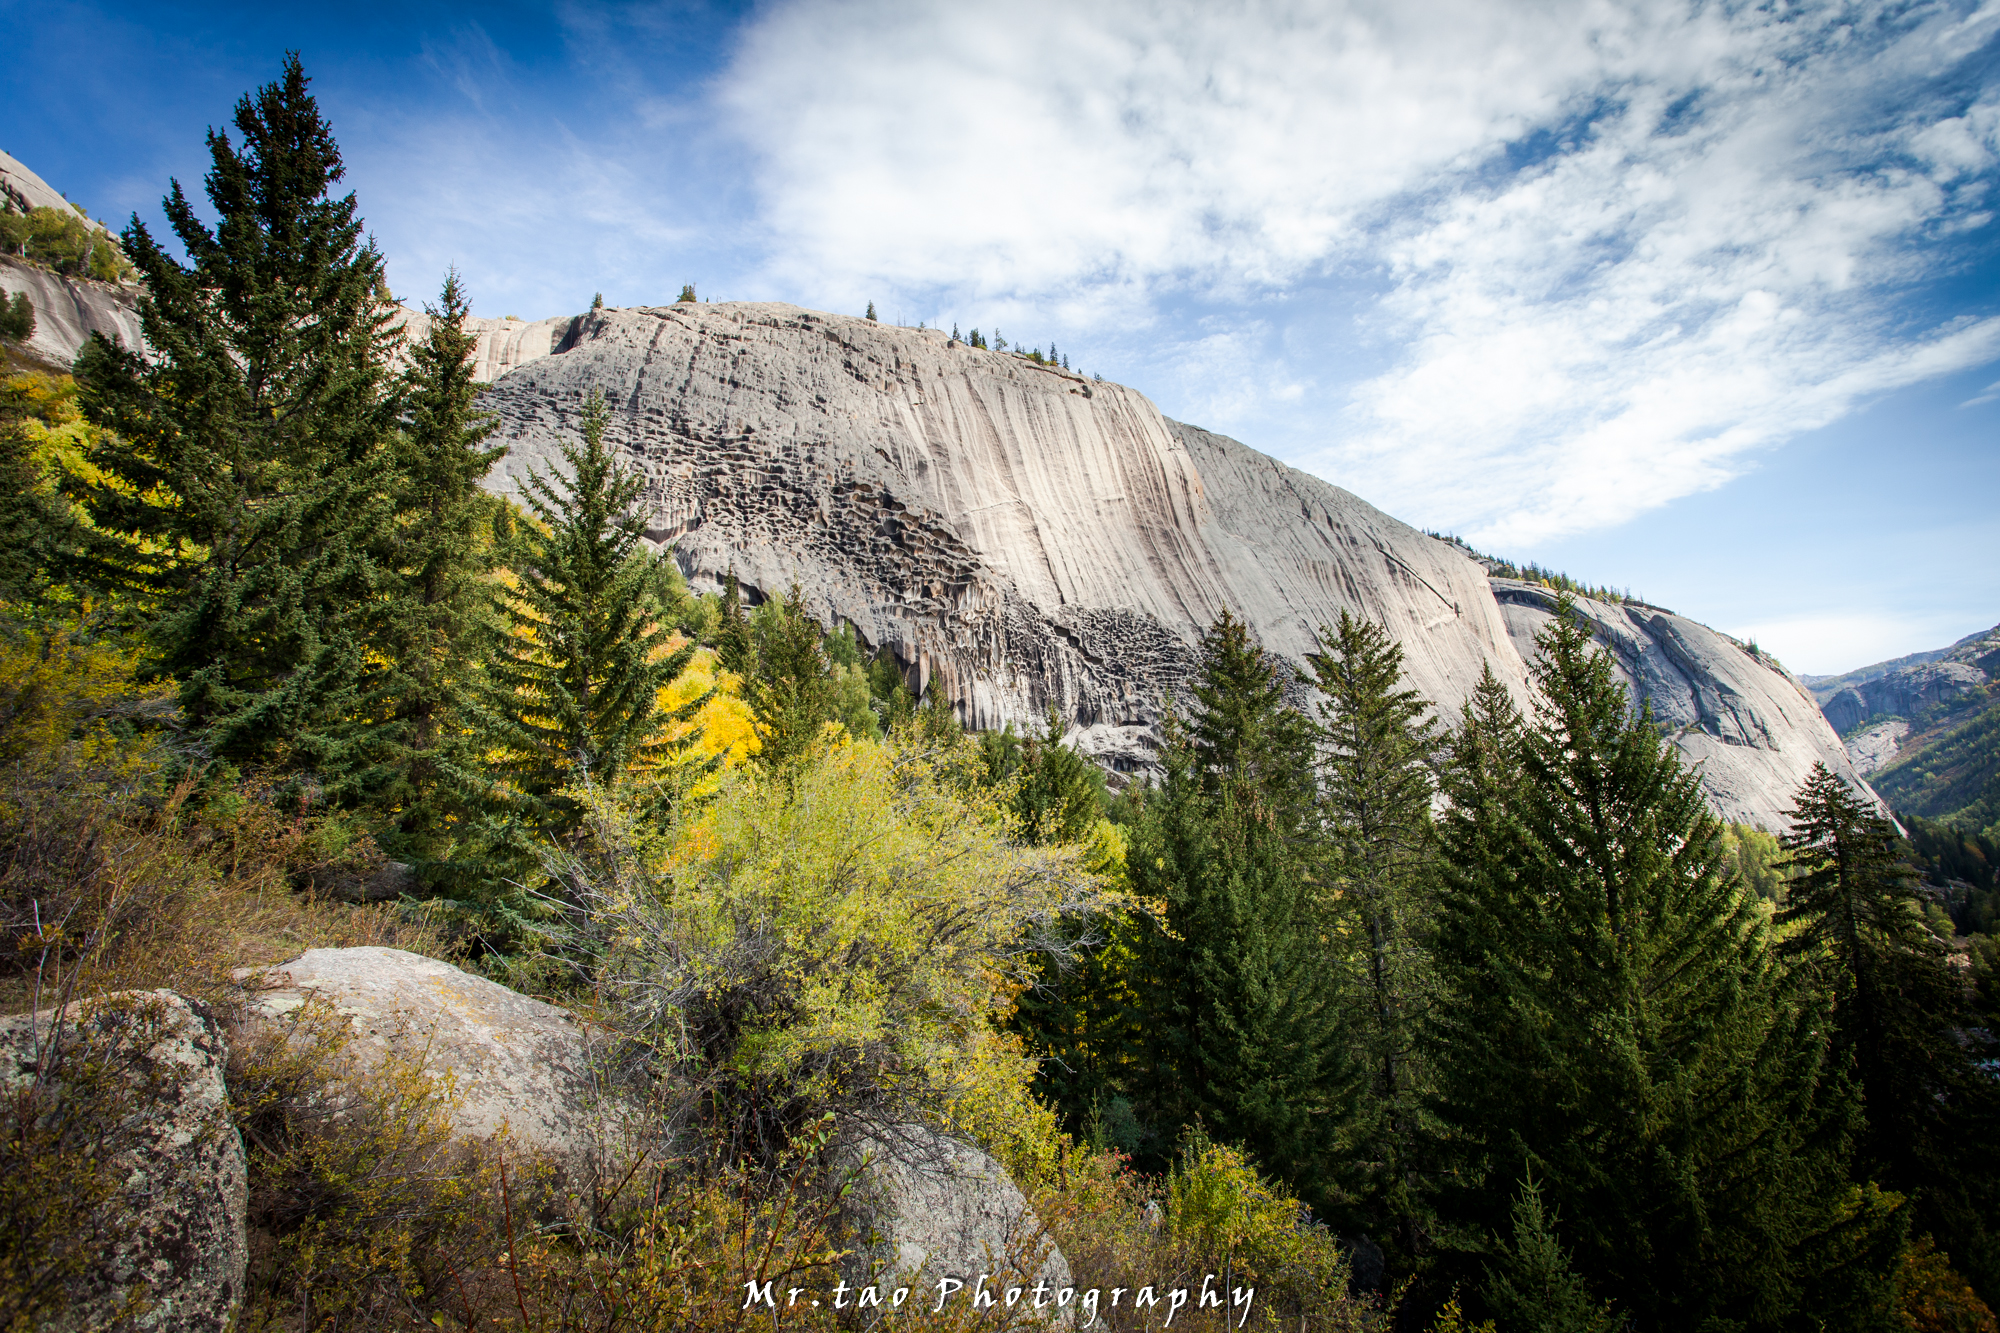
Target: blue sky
x=1701, y=300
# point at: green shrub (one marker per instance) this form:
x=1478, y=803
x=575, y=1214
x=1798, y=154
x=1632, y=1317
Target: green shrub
x=58, y=239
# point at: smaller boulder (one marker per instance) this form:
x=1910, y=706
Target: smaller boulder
x=155, y=1238
x=519, y=1065
x=925, y=1207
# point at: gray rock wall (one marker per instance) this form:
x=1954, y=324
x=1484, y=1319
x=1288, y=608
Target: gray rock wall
x=1752, y=729
x=1905, y=692
x=1012, y=530
x=1024, y=536
x=175, y=1247
x=69, y=310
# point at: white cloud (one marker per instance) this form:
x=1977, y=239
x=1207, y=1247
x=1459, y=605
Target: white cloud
x=1829, y=645
x=1694, y=249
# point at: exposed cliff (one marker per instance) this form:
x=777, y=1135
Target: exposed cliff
x=1025, y=536
x=1927, y=728
x=1752, y=727
x=67, y=310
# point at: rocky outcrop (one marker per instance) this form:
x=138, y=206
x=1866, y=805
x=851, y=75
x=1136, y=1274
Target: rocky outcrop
x=516, y=1063
x=1906, y=692
x=145, y=1070
x=1023, y=536
x=69, y=310
x=1875, y=746
x=1748, y=725
x=924, y=1207
x=501, y=344
x=1015, y=532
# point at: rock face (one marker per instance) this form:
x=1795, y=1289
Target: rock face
x=925, y=1207
x=516, y=1062
x=180, y=1240
x=1023, y=536
x=1904, y=692
x=1875, y=746
x=1751, y=728
x=69, y=310
x=504, y=344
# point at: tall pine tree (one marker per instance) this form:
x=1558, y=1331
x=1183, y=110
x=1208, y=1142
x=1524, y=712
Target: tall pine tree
x=1855, y=917
x=248, y=458
x=573, y=677
x=1616, y=1021
x=1375, y=748
x=441, y=553
x=1241, y=1022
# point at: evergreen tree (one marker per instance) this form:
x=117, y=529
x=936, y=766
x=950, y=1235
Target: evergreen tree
x=1855, y=916
x=1375, y=746
x=1242, y=731
x=793, y=690
x=1241, y=1024
x=871, y=312
x=249, y=451
x=573, y=679
x=17, y=318
x=1532, y=1287
x=442, y=553
x=732, y=632
x=1615, y=1019
x=39, y=531
x=1055, y=797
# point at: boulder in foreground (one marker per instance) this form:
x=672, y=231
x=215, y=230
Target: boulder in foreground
x=136, y=1080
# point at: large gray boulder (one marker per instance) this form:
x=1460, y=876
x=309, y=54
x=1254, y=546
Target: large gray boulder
x=148, y=1070
x=923, y=1207
x=525, y=1074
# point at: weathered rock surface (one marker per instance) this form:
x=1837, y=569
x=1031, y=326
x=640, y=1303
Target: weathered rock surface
x=517, y=1063
x=1023, y=536
x=1752, y=730
x=503, y=344
x=1875, y=746
x=1905, y=692
x=925, y=1207
x=178, y=1236
x=69, y=310
x=26, y=190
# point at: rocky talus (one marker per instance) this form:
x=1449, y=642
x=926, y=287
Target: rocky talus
x=1023, y=536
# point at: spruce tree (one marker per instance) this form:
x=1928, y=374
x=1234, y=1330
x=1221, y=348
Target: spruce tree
x=249, y=451
x=1241, y=1024
x=1531, y=1287
x=1078, y=1017
x=1616, y=1020
x=732, y=633
x=1375, y=746
x=1054, y=796
x=575, y=669
x=792, y=691
x=441, y=553
x=1855, y=917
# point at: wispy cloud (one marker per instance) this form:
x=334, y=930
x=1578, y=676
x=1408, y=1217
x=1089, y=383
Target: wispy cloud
x=1610, y=250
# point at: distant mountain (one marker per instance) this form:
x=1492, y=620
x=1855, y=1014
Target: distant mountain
x=1925, y=729
x=1825, y=687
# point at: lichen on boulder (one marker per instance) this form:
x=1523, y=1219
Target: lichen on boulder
x=132, y=1180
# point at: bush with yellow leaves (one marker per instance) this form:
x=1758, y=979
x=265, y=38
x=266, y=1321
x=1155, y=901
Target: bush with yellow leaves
x=837, y=936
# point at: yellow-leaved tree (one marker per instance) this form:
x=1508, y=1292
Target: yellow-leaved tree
x=843, y=937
